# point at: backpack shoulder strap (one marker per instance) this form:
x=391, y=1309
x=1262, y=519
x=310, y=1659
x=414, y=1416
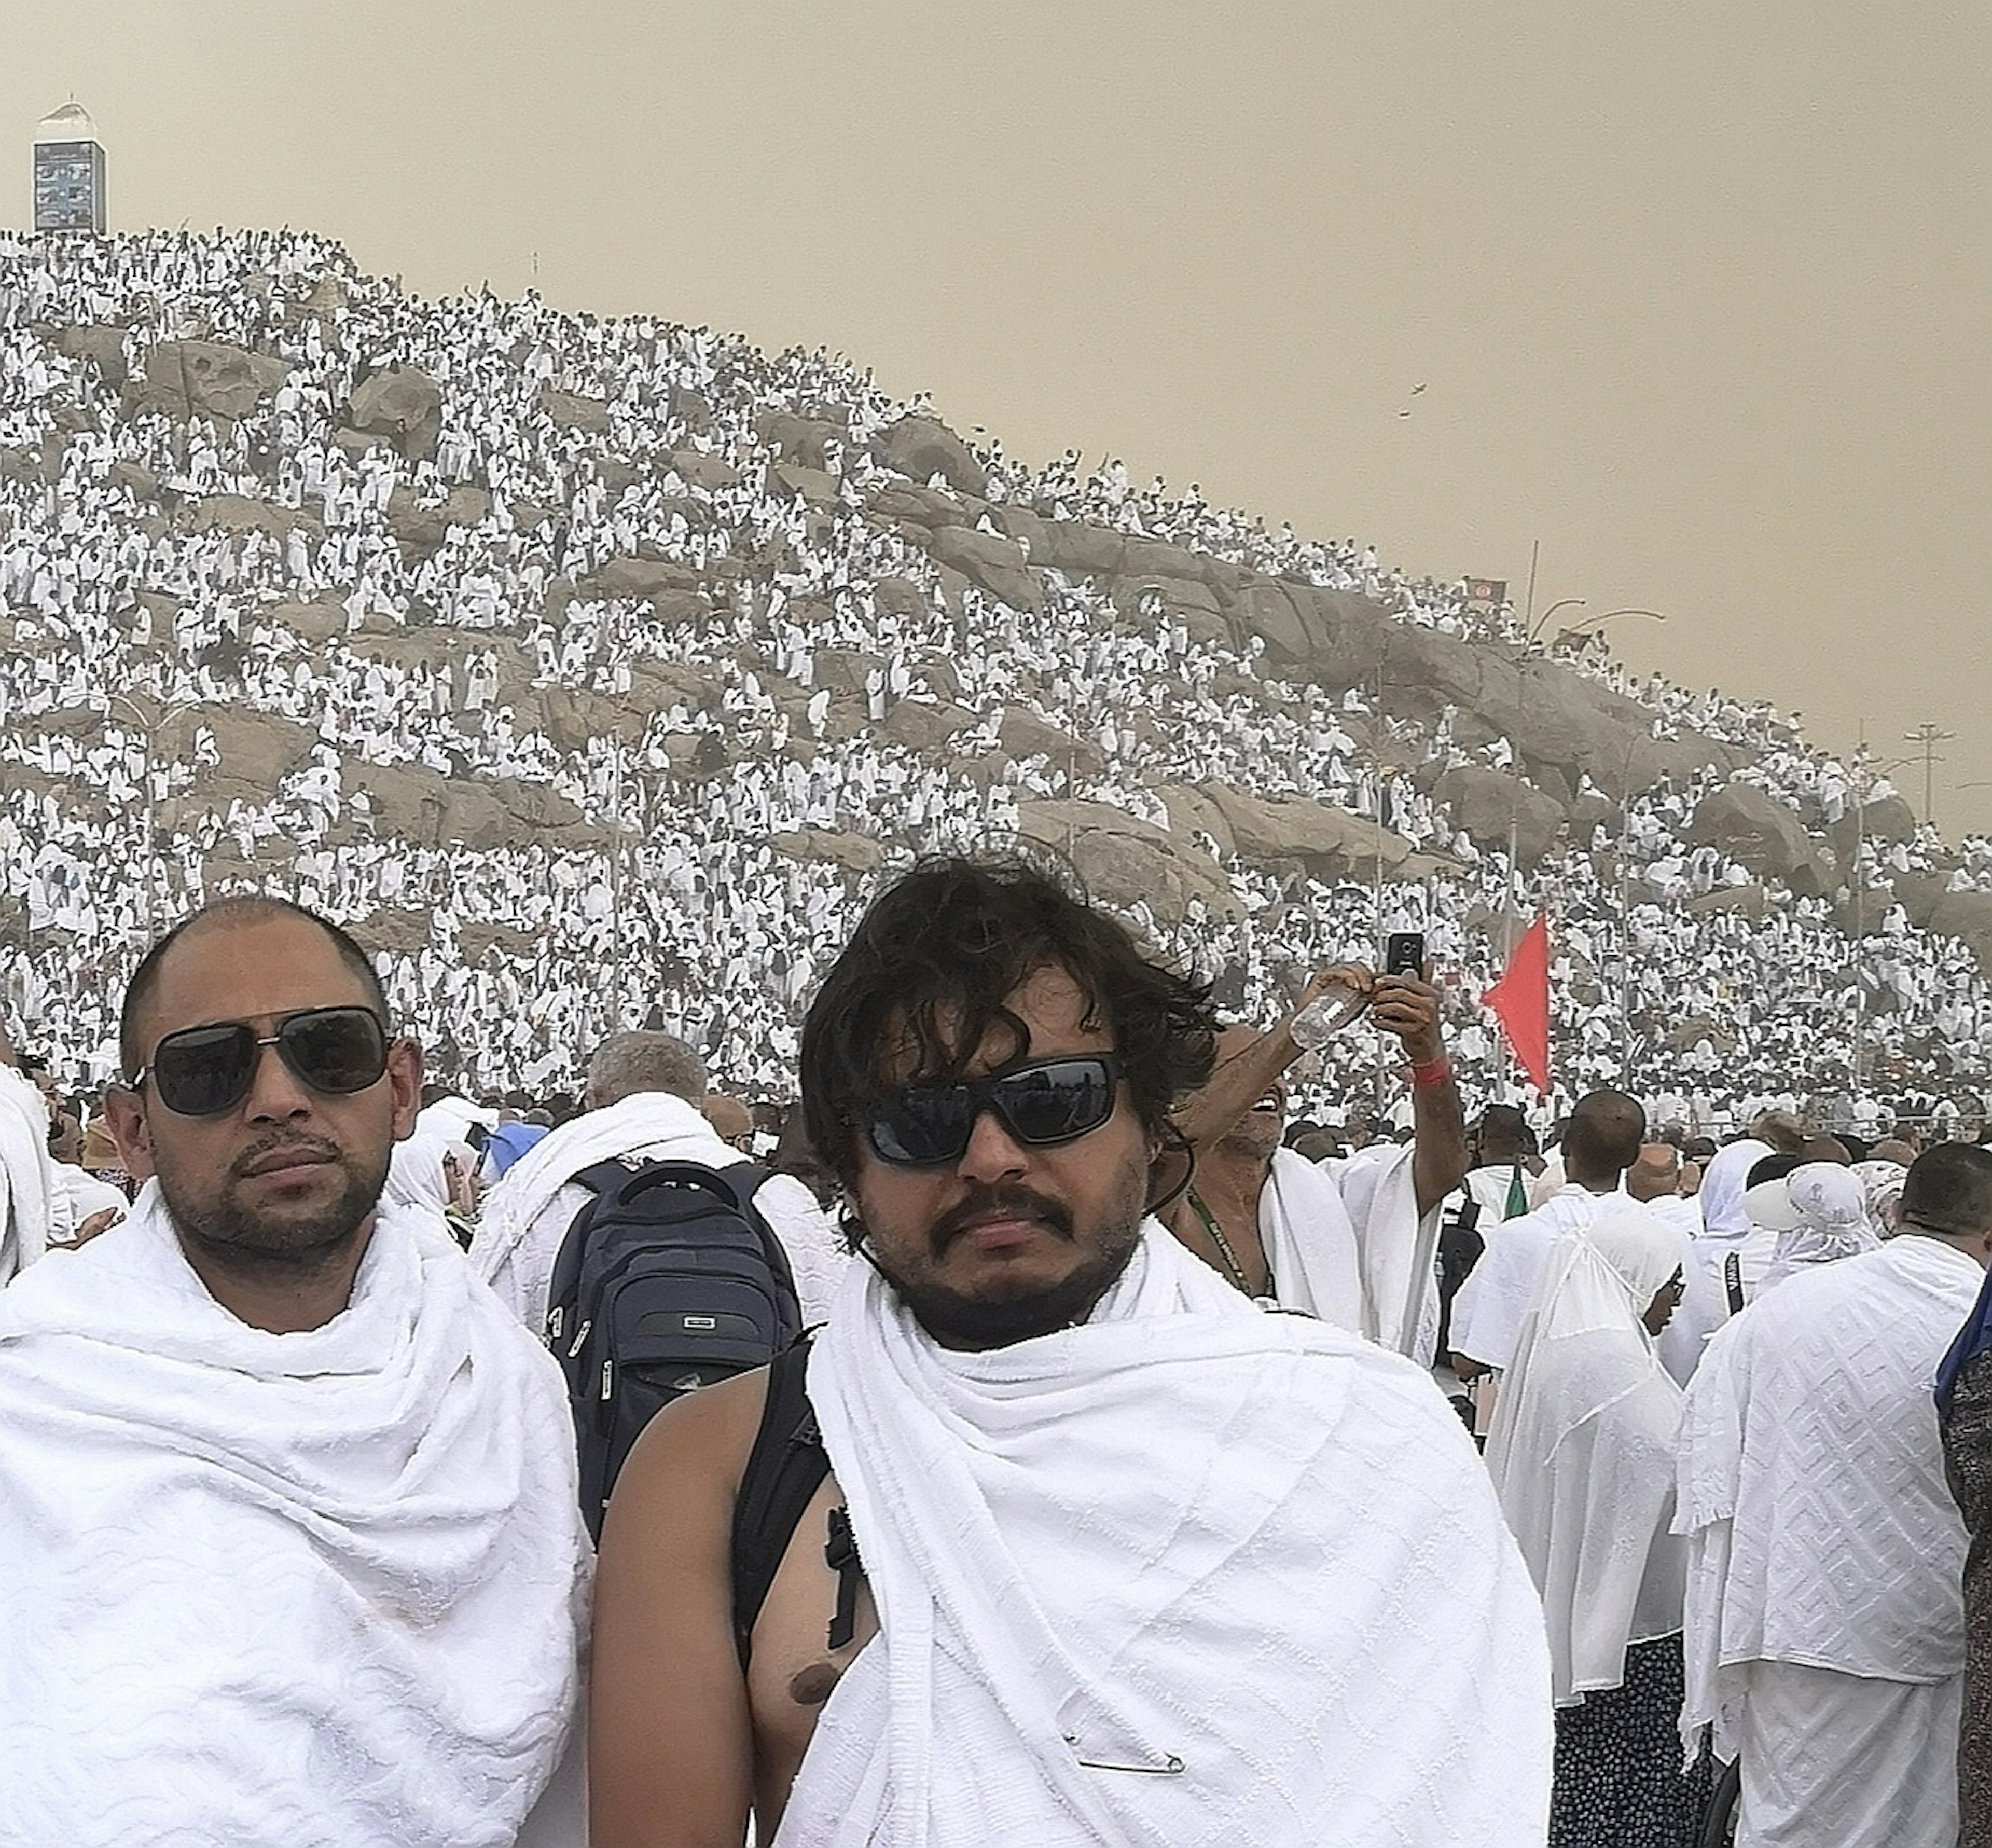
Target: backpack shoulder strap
x=785, y=1468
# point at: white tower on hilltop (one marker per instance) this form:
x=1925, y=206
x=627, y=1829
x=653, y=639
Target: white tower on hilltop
x=68, y=172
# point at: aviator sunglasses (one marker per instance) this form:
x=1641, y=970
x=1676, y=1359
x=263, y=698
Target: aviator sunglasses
x=1044, y=1102
x=202, y=1071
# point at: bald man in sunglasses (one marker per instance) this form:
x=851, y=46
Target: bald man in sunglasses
x=289, y=1545
x=1098, y=1549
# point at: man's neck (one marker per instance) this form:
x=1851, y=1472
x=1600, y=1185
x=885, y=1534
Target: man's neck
x=279, y=1296
x=1596, y=1184
x=1234, y=1172
x=1973, y=1248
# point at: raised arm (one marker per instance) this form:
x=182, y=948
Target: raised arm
x=1409, y=1006
x=1240, y=1081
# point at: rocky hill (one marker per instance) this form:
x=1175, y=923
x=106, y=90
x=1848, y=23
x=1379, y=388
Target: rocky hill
x=569, y=600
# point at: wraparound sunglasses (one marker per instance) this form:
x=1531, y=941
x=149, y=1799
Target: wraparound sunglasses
x=1041, y=1103
x=202, y=1071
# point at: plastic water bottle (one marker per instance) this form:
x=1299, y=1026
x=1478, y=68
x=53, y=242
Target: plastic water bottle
x=1327, y=1015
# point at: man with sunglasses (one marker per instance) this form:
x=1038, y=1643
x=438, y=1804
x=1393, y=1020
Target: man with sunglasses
x=289, y=1546
x=1140, y=1561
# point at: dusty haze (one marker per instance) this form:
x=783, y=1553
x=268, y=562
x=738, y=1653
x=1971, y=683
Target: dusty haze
x=1699, y=293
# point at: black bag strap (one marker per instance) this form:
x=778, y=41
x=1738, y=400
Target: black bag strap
x=1732, y=1282
x=785, y=1468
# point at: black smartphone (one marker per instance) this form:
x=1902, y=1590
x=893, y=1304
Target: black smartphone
x=1404, y=953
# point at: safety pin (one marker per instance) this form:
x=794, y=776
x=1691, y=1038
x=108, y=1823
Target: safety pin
x=1170, y=1767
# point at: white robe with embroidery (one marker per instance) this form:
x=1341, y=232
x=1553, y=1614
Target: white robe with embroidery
x=1822, y=1532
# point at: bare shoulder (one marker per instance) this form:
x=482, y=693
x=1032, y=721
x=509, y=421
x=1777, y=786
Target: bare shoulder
x=702, y=1439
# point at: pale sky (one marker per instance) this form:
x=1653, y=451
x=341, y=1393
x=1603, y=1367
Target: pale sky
x=1701, y=292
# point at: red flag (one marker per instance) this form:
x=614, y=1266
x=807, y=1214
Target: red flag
x=1520, y=1001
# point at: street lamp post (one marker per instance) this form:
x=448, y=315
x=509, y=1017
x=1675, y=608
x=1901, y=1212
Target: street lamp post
x=1927, y=737
x=1542, y=622
x=148, y=729
x=1866, y=775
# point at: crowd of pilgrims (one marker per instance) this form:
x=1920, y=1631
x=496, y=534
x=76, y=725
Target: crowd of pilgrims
x=124, y=612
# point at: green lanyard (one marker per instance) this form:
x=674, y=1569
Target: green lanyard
x=1231, y=1264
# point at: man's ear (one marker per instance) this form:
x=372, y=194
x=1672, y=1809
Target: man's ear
x=404, y=1076
x=124, y=1111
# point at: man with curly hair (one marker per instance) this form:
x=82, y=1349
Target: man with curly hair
x=1114, y=1554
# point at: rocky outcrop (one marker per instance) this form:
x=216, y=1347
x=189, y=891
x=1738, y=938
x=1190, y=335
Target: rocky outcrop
x=1126, y=861
x=186, y=378
x=997, y=564
x=569, y=410
x=1329, y=842
x=420, y=530
x=1765, y=835
x=100, y=346
x=401, y=407
x=921, y=447
x=1487, y=804
x=1024, y=734
x=240, y=513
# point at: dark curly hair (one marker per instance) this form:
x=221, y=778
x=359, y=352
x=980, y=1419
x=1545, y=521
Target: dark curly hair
x=935, y=958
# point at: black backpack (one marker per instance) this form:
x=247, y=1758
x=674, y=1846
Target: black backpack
x=668, y=1280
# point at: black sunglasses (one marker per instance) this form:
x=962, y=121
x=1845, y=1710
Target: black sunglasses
x=1044, y=1102
x=202, y=1071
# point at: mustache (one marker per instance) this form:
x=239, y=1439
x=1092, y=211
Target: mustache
x=982, y=1202
x=288, y=1143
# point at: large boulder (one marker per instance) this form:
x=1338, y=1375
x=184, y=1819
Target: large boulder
x=997, y=564
x=241, y=514
x=697, y=470
x=422, y=531
x=640, y=577
x=1074, y=547
x=100, y=346
x=569, y=410
x=928, y=725
x=803, y=440
x=921, y=447
x=1330, y=842
x=187, y=379
x=811, y=485
x=1762, y=834
x=855, y=853
x=258, y=749
x=1492, y=807
x=1126, y=861
x=401, y=407
x=919, y=506
x=1884, y=822
x=1023, y=734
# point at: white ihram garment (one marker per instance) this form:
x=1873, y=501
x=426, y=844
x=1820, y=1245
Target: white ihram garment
x=1168, y=1579
x=260, y=1590
x=1487, y=1313
x=527, y=1212
x=1822, y=1535
x=32, y=1209
x=1346, y=1245
x=1582, y=1451
x=1396, y=1249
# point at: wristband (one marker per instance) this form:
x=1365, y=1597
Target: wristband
x=1426, y=1077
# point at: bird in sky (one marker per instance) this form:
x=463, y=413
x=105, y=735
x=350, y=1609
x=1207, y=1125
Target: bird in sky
x=1415, y=391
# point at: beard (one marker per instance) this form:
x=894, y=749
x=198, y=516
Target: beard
x=1002, y=1312
x=264, y=1242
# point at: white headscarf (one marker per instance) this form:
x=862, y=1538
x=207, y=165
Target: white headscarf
x=1723, y=1215
x=1883, y=1181
x=1582, y=1449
